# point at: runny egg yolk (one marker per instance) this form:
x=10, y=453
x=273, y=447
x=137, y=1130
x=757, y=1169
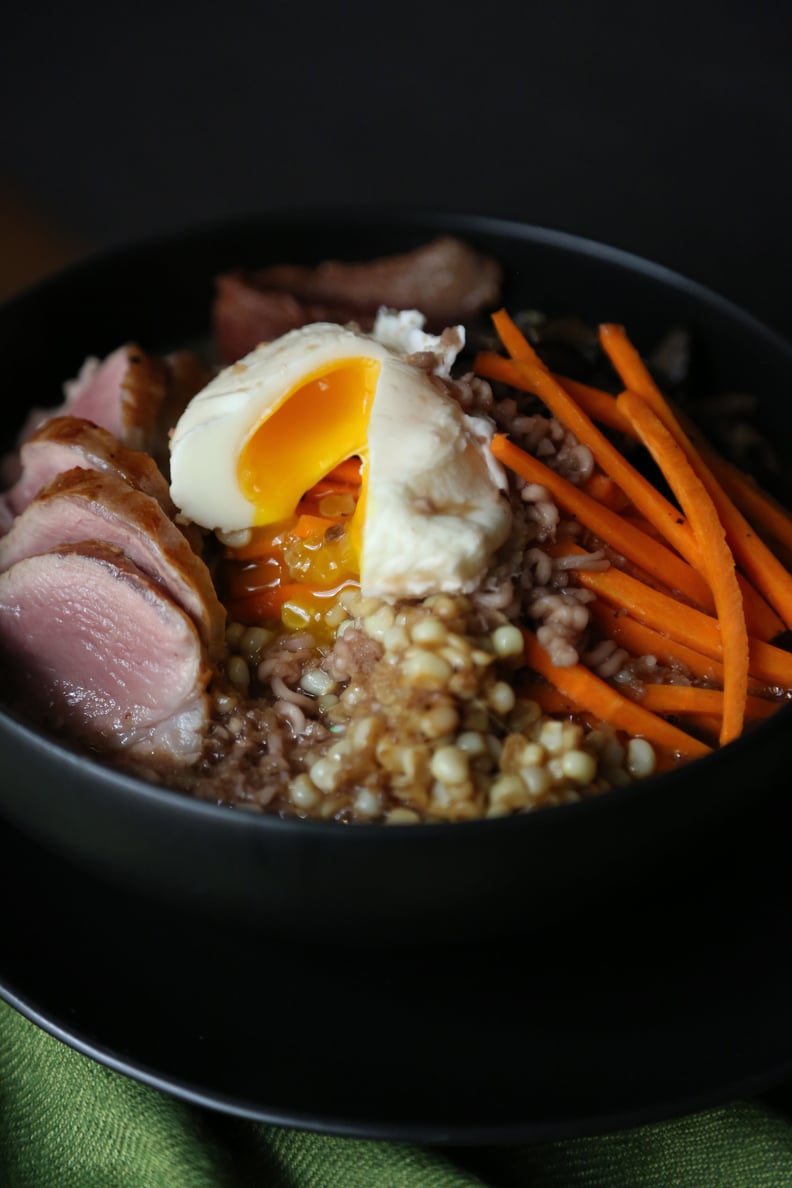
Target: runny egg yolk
x=306, y=490
x=259, y=455
x=314, y=427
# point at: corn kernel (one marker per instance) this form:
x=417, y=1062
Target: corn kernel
x=429, y=630
x=426, y=670
x=501, y=698
x=449, y=765
x=238, y=673
x=507, y=640
x=579, y=766
x=641, y=758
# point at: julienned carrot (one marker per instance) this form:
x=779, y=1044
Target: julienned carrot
x=549, y=699
x=680, y=700
x=640, y=491
x=309, y=525
x=766, y=515
x=766, y=663
x=655, y=559
x=702, y=515
x=754, y=557
x=641, y=640
x=602, y=488
x=592, y=694
x=347, y=472
x=762, y=620
x=635, y=541
x=689, y=699
x=598, y=405
x=344, y=479
x=666, y=518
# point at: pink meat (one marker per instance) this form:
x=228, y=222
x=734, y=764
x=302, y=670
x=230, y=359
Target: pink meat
x=81, y=505
x=447, y=279
x=245, y=315
x=94, y=647
x=64, y=443
x=122, y=394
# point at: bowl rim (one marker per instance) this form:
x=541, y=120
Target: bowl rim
x=440, y=221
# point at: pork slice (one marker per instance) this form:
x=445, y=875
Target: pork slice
x=64, y=443
x=447, y=279
x=95, y=648
x=80, y=505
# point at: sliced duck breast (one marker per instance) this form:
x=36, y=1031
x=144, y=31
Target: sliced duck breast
x=64, y=443
x=121, y=393
x=448, y=280
x=246, y=314
x=80, y=505
x=96, y=648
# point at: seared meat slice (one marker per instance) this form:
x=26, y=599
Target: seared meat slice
x=447, y=279
x=136, y=397
x=96, y=648
x=80, y=505
x=123, y=394
x=245, y=315
x=64, y=443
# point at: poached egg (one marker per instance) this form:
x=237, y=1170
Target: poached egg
x=431, y=508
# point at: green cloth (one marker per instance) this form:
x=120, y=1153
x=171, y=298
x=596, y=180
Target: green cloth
x=66, y=1121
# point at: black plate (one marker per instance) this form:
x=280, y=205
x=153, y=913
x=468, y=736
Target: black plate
x=675, y=1002
x=667, y=995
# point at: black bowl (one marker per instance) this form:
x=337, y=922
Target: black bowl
x=388, y=884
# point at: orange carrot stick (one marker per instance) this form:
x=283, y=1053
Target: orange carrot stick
x=640, y=491
x=634, y=542
x=754, y=557
x=549, y=699
x=702, y=515
x=655, y=559
x=591, y=693
x=679, y=700
x=641, y=640
x=765, y=513
x=308, y=525
x=347, y=472
x=602, y=488
x=688, y=699
x=598, y=405
x=762, y=620
x=768, y=664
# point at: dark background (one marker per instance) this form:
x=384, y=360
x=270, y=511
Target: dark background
x=661, y=129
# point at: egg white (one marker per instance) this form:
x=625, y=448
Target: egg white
x=434, y=509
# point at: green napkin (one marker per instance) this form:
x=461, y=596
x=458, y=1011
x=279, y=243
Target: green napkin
x=66, y=1122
